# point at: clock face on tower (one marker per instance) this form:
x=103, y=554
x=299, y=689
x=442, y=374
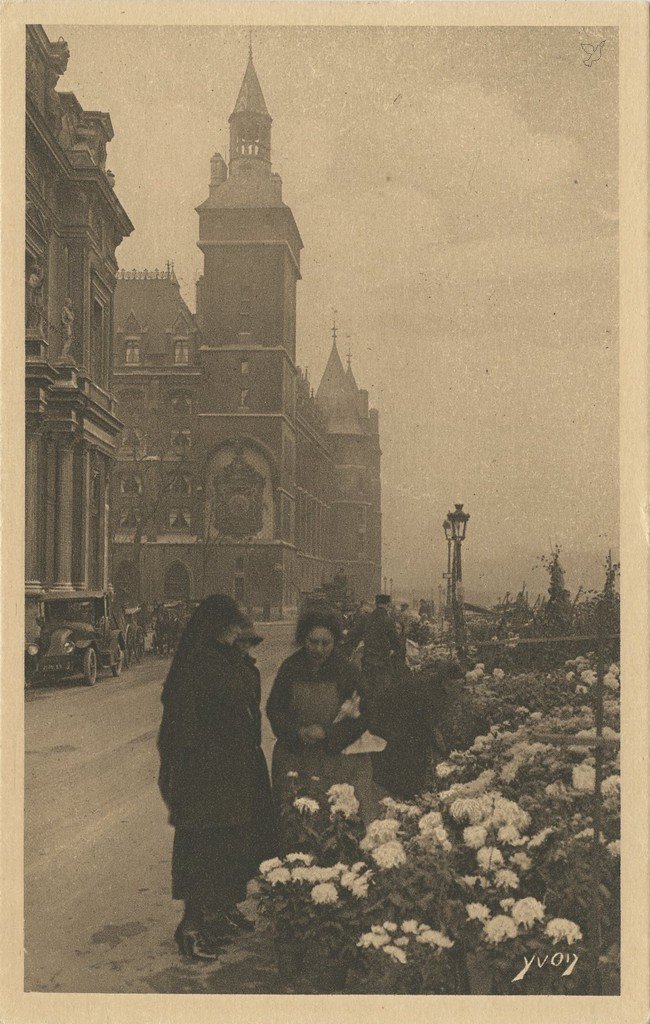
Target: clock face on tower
x=239, y=505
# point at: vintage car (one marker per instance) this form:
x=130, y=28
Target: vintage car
x=78, y=635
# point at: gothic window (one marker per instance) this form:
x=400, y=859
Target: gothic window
x=239, y=563
x=243, y=398
x=181, y=439
x=181, y=351
x=129, y=519
x=180, y=483
x=182, y=404
x=132, y=352
x=245, y=367
x=131, y=484
x=245, y=300
x=179, y=519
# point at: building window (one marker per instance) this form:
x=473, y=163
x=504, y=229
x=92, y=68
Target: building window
x=239, y=563
x=243, y=398
x=180, y=483
x=132, y=352
x=181, y=351
x=181, y=439
x=245, y=297
x=179, y=519
x=182, y=405
x=129, y=519
x=131, y=483
x=245, y=367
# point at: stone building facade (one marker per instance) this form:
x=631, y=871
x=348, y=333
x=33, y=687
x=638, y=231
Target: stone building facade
x=74, y=223
x=242, y=480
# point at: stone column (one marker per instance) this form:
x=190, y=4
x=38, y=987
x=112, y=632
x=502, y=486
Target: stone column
x=63, y=531
x=33, y=581
x=82, y=581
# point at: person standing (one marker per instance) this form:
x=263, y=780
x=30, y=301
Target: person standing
x=304, y=710
x=381, y=641
x=213, y=777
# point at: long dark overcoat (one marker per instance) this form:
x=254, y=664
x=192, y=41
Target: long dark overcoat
x=212, y=770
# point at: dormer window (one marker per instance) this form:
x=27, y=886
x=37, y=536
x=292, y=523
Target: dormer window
x=131, y=483
x=243, y=398
x=180, y=483
x=181, y=440
x=181, y=351
x=179, y=519
x=132, y=352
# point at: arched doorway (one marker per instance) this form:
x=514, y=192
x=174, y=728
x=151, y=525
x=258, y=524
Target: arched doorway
x=177, y=582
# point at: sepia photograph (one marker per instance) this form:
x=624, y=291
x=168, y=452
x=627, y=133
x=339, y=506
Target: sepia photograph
x=322, y=507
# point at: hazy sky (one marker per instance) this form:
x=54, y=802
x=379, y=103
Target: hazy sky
x=456, y=192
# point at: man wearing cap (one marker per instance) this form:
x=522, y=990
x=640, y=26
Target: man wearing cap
x=381, y=640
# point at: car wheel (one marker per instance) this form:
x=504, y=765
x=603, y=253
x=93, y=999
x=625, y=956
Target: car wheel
x=90, y=667
x=116, y=669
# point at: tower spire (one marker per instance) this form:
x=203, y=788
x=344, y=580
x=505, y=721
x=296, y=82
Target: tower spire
x=250, y=44
x=334, y=327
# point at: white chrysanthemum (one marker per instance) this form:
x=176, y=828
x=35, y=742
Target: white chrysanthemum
x=470, y=880
x=583, y=778
x=432, y=937
x=474, y=836
x=279, y=876
x=389, y=926
x=303, y=873
x=444, y=769
x=498, y=674
x=588, y=676
x=470, y=809
x=522, y=861
x=611, y=681
x=389, y=855
x=527, y=911
x=499, y=928
x=379, y=831
x=507, y=903
x=402, y=941
x=304, y=858
x=611, y=786
x=395, y=953
x=360, y=888
x=348, y=807
x=305, y=805
x=536, y=716
x=373, y=940
x=540, y=837
x=507, y=812
x=614, y=847
x=268, y=865
x=614, y=669
x=504, y=878
x=325, y=892
x=477, y=911
x=429, y=822
x=340, y=791
x=292, y=775
x=489, y=857
x=410, y=927
x=570, y=676
x=508, y=834
x=559, y=929
x=509, y=771
x=582, y=689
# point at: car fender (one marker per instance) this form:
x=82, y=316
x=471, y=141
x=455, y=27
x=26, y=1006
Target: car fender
x=83, y=642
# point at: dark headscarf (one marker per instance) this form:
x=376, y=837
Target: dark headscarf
x=180, y=725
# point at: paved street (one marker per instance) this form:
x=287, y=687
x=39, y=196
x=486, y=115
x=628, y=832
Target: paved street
x=98, y=912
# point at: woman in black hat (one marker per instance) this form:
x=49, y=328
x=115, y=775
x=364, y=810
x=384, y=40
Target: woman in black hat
x=212, y=777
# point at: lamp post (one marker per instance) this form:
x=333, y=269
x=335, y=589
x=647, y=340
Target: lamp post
x=448, y=575
x=458, y=523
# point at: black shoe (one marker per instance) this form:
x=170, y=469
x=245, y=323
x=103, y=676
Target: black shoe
x=192, y=944
x=239, y=920
x=218, y=929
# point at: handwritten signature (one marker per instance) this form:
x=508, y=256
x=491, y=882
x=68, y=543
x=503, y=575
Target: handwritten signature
x=557, y=960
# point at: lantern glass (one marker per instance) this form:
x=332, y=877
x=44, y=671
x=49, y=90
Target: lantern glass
x=458, y=520
x=447, y=528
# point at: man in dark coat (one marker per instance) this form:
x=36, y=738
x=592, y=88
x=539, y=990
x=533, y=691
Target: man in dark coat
x=213, y=777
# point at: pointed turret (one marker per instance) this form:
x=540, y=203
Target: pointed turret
x=337, y=396
x=250, y=125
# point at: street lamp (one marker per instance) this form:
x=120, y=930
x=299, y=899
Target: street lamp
x=457, y=521
x=447, y=527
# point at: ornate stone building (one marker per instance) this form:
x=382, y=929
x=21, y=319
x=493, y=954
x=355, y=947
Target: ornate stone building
x=238, y=478
x=74, y=222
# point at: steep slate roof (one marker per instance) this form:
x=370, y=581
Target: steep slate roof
x=251, y=98
x=337, y=397
x=157, y=305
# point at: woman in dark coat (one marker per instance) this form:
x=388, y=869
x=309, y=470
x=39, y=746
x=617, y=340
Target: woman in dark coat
x=213, y=777
x=307, y=696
